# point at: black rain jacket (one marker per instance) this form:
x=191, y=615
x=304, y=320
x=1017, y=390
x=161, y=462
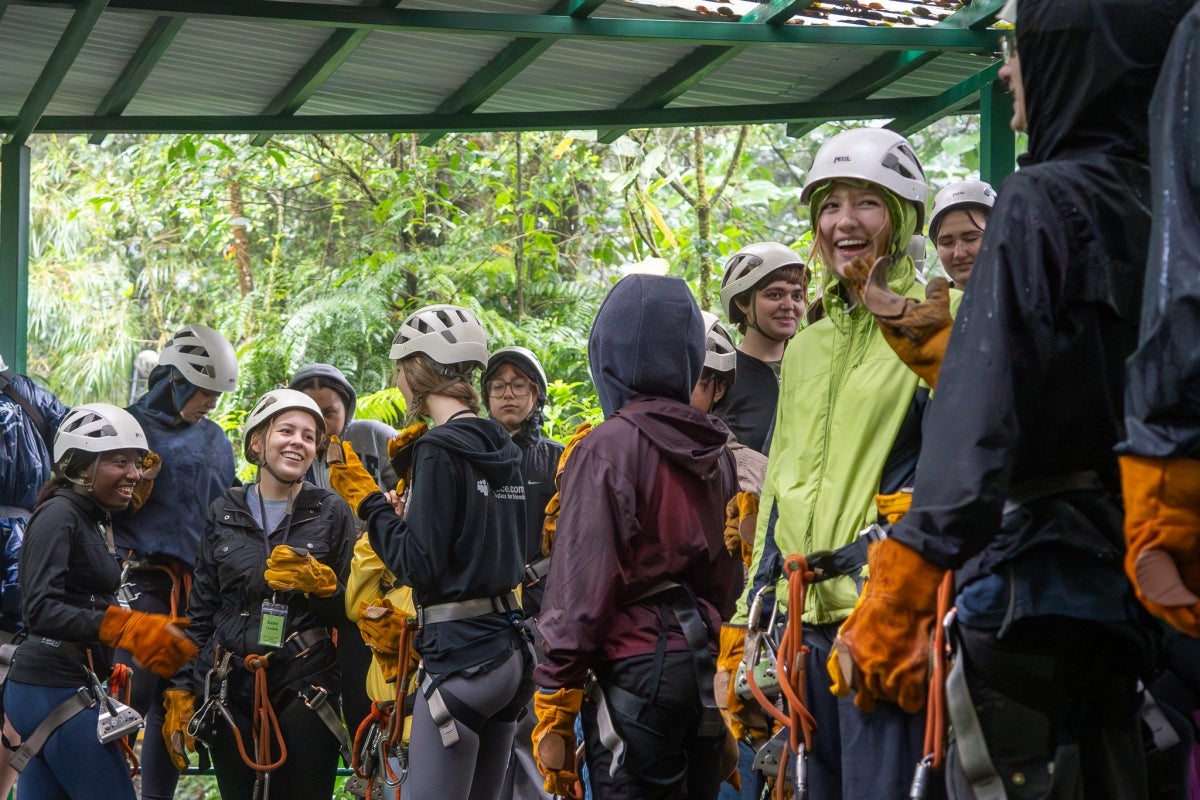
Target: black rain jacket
x=1029, y=397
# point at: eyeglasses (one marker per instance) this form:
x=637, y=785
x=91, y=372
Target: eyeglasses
x=1008, y=47
x=519, y=388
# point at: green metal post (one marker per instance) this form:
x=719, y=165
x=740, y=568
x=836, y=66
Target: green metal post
x=14, y=254
x=997, y=142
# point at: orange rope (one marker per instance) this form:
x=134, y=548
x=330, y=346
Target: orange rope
x=935, y=713
x=120, y=686
x=264, y=723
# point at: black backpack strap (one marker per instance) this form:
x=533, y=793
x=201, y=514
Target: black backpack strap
x=35, y=416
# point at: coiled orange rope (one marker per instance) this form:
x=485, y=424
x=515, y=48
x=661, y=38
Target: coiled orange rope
x=264, y=723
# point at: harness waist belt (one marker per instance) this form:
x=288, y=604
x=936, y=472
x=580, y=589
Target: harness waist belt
x=535, y=571
x=467, y=609
x=81, y=700
x=846, y=560
x=1028, y=491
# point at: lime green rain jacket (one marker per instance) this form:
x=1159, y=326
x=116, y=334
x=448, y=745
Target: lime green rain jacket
x=843, y=396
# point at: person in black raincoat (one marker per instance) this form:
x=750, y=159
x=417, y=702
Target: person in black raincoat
x=1017, y=484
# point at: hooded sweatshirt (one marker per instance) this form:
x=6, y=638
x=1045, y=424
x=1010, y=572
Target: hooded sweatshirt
x=643, y=495
x=461, y=537
x=197, y=466
x=1028, y=402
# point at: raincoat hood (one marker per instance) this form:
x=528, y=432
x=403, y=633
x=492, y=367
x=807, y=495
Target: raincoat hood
x=166, y=393
x=647, y=340
x=331, y=377
x=483, y=442
x=1088, y=68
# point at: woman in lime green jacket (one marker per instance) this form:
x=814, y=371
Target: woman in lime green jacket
x=847, y=428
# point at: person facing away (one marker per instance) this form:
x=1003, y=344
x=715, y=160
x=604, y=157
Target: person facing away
x=456, y=538
x=1017, y=484
x=763, y=293
x=640, y=578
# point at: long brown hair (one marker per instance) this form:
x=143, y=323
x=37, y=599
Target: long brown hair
x=426, y=376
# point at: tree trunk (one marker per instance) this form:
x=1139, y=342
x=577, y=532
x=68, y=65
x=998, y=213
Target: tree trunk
x=241, y=242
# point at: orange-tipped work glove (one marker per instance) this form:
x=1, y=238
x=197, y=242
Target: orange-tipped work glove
x=744, y=719
x=554, y=738
x=400, y=451
x=293, y=570
x=179, y=705
x=156, y=641
x=151, y=466
x=917, y=331
x=1162, y=537
x=893, y=507
x=741, y=515
x=382, y=626
x=347, y=475
x=882, y=649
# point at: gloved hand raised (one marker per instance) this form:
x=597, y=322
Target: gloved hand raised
x=917, y=331
x=1162, y=537
x=179, y=705
x=382, y=626
x=290, y=571
x=882, y=649
x=155, y=641
x=400, y=451
x=151, y=465
x=741, y=515
x=554, y=507
x=347, y=475
x=554, y=738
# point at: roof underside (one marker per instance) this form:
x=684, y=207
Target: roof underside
x=275, y=66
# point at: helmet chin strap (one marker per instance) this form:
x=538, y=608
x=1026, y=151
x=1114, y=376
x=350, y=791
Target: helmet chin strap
x=752, y=323
x=90, y=482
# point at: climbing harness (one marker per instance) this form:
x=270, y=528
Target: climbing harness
x=379, y=758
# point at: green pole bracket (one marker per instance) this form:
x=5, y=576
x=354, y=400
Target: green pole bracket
x=997, y=142
x=14, y=254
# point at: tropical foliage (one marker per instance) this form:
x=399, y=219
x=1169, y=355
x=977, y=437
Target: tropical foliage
x=313, y=248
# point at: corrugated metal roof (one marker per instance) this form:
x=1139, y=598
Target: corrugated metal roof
x=429, y=65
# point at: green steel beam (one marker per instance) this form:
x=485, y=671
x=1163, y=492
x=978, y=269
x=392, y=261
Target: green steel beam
x=997, y=142
x=340, y=45
x=539, y=26
x=776, y=12
x=3, y=7
x=931, y=109
x=976, y=16
x=14, y=254
x=507, y=121
x=154, y=45
x=881, y=72
x=73, y=38
x=507, y=64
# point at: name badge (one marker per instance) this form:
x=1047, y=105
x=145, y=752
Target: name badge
x=273, y=625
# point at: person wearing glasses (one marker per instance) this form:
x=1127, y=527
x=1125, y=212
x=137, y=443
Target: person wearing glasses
x=514, y=389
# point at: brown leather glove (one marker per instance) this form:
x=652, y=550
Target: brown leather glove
x=882, y=649
x=382, y=626
x=155, y=641
x=151, y=466
x=290, y=571
x=554, y=738
x=741, y=514
x=893, y=507
x=917, y=331
x=1162, y=537
x=347, y=475
x=400, y=451
x=179, y=705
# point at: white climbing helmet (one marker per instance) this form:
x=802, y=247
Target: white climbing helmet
x=719, y=353
x=447, y=334
x=521, y=358
x=877, y=155
x=747, y=267
x=274, y=403
x=203, y=356
x=98, y=428
x=959, y=195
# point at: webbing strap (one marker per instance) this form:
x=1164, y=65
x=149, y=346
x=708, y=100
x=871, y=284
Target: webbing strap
x=609, y=737
x=64, y=711
x=968, y=735
x=1161, y=730
x=441, y=715
x=466, y=609
x=319, y=702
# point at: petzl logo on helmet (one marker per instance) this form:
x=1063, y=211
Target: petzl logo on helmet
x=842, y=159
